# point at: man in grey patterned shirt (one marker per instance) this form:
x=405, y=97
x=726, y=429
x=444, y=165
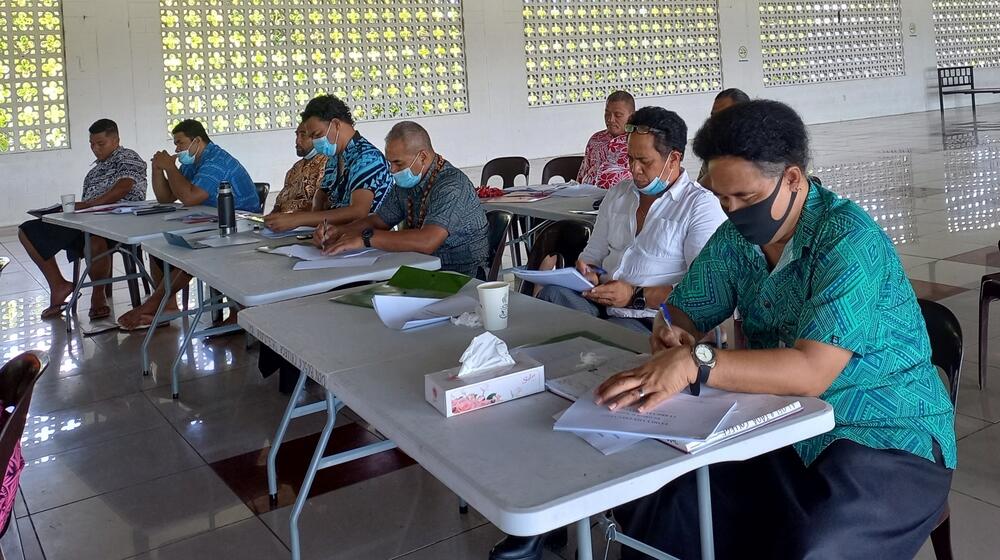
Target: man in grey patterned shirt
x=434, y=201
x=118, y=174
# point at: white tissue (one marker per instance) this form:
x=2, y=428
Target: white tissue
x=486, y=351
x=467, y=319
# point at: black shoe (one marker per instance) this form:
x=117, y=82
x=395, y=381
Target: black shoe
x=518, y=548
x=528, y=548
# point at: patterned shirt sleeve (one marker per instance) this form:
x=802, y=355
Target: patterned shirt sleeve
x=129, y=166
x=370, y=171
x=707, y=294
x=844, y=289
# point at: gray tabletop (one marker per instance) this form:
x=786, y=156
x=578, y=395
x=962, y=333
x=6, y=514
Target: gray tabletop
x=551, y=208
x=505, y=460
x=125, y=228
x=251, y=277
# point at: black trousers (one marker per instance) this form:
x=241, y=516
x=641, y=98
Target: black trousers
x=851, y=502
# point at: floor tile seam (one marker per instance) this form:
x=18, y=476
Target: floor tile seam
x=439, y=541
x=196, y=535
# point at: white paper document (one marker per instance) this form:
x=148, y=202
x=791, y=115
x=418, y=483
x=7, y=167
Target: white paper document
x=308, y=252
x=608, y=444
x=301, y=230
x=752, y=411
x=569, y=278
x=340, y=261
x=216, y=240
x=682, y=418
x=580, y=191
x=404, y=312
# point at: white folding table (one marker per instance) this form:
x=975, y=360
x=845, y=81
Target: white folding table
x=505, y=460
x=128, y=230
x=250, y=278
x=549, y=209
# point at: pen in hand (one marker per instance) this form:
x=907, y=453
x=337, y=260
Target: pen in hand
x=666, y=315
x=322, y=242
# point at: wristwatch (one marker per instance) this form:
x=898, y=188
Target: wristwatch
x=704, y=358
x=366, y=237
x=638, y=299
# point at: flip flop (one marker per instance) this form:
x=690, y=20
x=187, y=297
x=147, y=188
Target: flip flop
x=143, y=325
x=53, y=311
x=101, y=312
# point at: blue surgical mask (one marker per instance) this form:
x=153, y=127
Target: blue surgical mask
x=407, y=179
x=322, y=145
x=186, y=157
x=657, y=185
x=312, y=153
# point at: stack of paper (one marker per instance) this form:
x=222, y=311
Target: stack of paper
x=312, y=258
x=569, y=278
x=301, y=230
x=402, y=312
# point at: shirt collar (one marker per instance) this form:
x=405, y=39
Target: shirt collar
x=680, y=185
x=114, y=154
x=805, y=230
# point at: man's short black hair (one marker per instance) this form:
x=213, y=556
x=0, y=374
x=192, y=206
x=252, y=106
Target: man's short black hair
x=769, y=134
x=104, y=125
x=327, y=108
x=192, y=129
x=735, y=94
x=670, y=133
x=621, y=96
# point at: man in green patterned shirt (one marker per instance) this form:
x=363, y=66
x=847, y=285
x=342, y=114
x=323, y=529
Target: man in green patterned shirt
x=827, y=312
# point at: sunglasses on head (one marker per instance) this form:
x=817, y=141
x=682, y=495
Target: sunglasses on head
x=641, y=129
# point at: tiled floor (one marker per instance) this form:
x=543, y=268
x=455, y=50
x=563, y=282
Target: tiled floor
x=117, y=469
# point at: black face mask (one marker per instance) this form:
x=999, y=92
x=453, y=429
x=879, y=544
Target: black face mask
x=755, y=223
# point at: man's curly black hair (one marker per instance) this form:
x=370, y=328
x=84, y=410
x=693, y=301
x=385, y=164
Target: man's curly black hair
x=769, y=134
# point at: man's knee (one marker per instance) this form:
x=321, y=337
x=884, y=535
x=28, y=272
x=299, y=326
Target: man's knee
x=557, y=295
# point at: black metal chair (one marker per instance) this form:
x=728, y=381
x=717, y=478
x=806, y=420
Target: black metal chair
x=130, y=268
x=498, y=222
x=567, y=167
x=566, y=238
x=989, y=290
x=945, y=333
x=508, y=168
x=262, y=190
x=17, y=381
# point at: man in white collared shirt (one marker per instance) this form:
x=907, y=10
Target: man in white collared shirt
x=649, y=228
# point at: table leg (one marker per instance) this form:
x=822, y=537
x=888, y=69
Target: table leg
x=71, y=306
x=156, y=319
x=584, y=550
x=291, y=411
x=705, y=514
x=186, y=343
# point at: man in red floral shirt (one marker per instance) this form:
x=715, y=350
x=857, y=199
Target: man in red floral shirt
x=605, y=162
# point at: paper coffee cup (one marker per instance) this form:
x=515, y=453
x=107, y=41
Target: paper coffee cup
x=493, y=299
x=68, y=203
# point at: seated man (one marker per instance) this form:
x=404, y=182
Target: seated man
x=828, y=312
x=724, y=100
x=435, y=201
x=204, y=166
x=605, y=160
x=118, y=174
x=356, y=177
x=649, y=228
x=301, y=182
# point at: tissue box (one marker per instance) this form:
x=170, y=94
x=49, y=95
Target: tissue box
x=457, y=395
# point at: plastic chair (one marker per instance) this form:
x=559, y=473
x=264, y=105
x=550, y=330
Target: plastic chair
x=566, y=238
x=262, y=190
x=17, y=381
x=945, y=333
x=989, y=290
x=498, y=223
x=567, y=167
x=508, y=168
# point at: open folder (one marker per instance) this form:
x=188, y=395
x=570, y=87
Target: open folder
x=569, y=278
x=402, y=312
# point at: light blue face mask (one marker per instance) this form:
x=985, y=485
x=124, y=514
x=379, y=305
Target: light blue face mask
x=323, y=145
x=186, y=157
x=312, y=153
x=407, y=179
x=657, y=185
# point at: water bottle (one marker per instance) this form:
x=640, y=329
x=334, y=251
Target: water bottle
x=227, y=209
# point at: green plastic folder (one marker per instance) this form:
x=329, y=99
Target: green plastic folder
x=408, y=281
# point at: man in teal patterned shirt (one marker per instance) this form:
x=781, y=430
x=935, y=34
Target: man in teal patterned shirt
x=828, y=312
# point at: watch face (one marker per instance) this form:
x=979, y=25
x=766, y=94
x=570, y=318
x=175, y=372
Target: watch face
x=704, y=353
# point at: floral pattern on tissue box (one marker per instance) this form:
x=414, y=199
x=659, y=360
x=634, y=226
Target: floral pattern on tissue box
x=447, y=393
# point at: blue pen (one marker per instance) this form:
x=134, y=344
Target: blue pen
x=597, y=269
x=666, y=314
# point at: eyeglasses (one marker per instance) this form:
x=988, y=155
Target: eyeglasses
x=641, y=129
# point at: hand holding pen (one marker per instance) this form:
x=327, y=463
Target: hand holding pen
x=665, y=335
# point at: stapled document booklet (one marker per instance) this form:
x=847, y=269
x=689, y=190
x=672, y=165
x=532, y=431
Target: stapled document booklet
x=569, y=278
